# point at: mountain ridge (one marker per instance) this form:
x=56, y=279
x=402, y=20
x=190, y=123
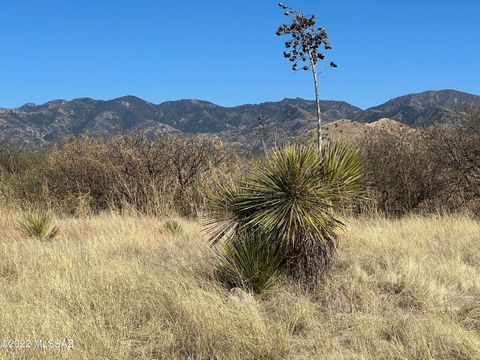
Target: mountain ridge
x=286, y=99
x=59, y=119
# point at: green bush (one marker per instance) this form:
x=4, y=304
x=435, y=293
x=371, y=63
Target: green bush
x=39, y=225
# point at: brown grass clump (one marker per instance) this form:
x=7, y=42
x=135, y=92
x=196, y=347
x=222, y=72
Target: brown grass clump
x=123, y=288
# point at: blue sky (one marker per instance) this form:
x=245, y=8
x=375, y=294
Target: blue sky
x=226, y=51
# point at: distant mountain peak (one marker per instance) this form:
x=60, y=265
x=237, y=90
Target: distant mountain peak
x=28, y=107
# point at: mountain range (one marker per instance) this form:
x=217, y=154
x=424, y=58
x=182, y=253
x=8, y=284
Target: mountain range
x=57, y=120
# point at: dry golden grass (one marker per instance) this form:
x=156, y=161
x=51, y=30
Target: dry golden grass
x=124, y=288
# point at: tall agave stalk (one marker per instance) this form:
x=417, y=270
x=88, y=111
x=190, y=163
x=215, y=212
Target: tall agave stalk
x=291, y=197
x=306, y=45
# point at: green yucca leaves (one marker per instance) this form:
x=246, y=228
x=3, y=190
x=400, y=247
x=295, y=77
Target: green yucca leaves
x=39, y=225
x=172, y=226
x=291, y=197
x=251, y=261
x=342, y=168
x=285, y=197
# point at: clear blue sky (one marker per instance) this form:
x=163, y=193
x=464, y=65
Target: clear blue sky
x=226, y=51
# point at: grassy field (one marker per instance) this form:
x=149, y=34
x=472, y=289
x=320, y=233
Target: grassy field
x=124, y=287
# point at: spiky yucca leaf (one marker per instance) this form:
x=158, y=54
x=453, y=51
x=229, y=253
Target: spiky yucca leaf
x=251, y=261
x=292, y=192
x=39, y=225
x=224, y=218
x=172, y=227
x=342, y=168
x=286, y=197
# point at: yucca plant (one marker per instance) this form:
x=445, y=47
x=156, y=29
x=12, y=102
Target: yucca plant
x=172, y=226
x=251, y=261
x=291, y=197
x=342, y=168
x=39, y=225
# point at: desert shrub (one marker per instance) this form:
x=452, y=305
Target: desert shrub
x=196, y=165
x=250, y=261
x=20, y=180
x=403, y=173
x=126, y=172
x=39, y=225
x=290, y=197
x=15, y=160
x=425, y=170
x=457, y=145
x=81, y=167
x=133, y=172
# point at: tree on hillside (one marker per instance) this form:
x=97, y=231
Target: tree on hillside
x=305, y=46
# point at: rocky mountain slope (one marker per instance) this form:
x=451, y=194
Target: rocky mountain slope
x=37, y=125
x=422, y=109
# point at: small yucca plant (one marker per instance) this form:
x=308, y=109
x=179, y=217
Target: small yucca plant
x=291, y=197
x=39, y=225
x=172, y=226
x=251, y=261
